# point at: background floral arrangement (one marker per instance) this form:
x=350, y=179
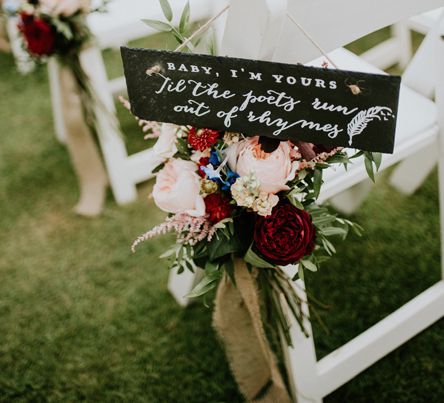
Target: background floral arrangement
x=58, y=28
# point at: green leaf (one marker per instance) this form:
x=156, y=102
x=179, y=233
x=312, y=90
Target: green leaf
x=158, y=25
x=328, y=246
x=229, y=269
x=293, y=198
x=208, y=282
x=158, y=168
x=182, y=146
x=377, y=158
x=309, y=265
x=184, y=18
x=369, y=168
x=221, y=246
x=252, y=258
x=330, y=231
x=211, y=267
x=302, y=174
x=317, y=182
x=166, y=8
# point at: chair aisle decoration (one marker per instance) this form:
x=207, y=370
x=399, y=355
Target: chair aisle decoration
x=58, y=29
x=244, y=206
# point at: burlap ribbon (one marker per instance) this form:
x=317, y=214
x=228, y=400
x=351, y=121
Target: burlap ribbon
x=237, y=320
x=4, y=40
x=85, y=156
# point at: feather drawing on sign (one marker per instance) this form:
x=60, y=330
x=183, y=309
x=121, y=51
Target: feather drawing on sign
x=359, y=123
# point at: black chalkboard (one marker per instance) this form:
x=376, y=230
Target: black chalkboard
x=283, y=101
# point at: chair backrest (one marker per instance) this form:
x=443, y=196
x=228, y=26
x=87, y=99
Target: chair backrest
x=422, y=72
x=335, y=23
x=332, y=23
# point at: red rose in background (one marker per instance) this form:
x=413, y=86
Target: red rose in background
x=217, y=207
x=285, y=236
x=201, y=139
x=39, y=35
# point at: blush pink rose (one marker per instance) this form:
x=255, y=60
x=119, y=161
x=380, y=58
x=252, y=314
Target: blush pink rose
x=177, y=189
x=165, y=146
x=273, y=170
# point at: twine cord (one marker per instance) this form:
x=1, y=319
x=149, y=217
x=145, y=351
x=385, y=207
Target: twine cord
x=354, y=88
x=312, y=40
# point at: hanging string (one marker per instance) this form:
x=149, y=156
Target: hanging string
x=202, y=29
x=156, y=69
x=312, y=40
x=354, y=88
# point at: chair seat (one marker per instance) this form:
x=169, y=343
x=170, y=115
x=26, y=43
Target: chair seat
x=416, y=127
x=123, y=20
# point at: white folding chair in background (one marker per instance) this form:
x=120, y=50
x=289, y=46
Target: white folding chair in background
x=265, y=35
x=398, y=48
x=121, y=24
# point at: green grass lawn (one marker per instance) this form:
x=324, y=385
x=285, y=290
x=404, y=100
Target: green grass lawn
x=81, y=318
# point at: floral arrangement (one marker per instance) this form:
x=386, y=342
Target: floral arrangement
x=229, y=196
x=57, y=28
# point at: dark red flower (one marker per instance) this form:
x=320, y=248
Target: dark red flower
x=310, y=151
x=201, y=139
x=217, y=207
x=203, y=162
x=285, y=236
x=39, y=35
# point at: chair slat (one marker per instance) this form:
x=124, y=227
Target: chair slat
x=335, y=23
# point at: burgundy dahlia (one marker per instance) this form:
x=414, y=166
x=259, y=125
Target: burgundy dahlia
x=201, y=139
x=217, y=207
x=285, y=236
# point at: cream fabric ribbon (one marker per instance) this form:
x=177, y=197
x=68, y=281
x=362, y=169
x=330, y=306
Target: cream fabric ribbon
x=237, y=320
x=83, y=150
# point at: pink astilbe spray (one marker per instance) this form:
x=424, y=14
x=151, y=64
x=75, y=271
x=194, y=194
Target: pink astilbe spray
x=146, y=125
x=190, y=230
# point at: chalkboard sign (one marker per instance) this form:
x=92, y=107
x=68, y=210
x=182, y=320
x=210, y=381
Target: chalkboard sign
x=282, y=101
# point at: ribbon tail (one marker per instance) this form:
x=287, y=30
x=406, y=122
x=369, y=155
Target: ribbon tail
x=237, y=320
x=85, y=156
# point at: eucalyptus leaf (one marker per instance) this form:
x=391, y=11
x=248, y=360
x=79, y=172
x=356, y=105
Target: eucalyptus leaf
x=255, y=260
x=166, y=8
x=377, y=158
x=184, y=18
x=369, y=168
x=208, y=282
x=309, y=265
x=317, y=182
x=330, y=231
x=158, y=25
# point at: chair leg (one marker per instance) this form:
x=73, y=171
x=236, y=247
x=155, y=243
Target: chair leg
x=111, y=139
x=56, y=100
x=440, y=103
x=351, y=199
x=413, y=171
x=180, y=285
x=300, y=359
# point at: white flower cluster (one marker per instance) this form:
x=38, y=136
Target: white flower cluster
x=246, y=192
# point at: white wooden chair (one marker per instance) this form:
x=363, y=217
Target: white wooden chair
x=121, y=24
x=398, y=48
x=420, y=127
